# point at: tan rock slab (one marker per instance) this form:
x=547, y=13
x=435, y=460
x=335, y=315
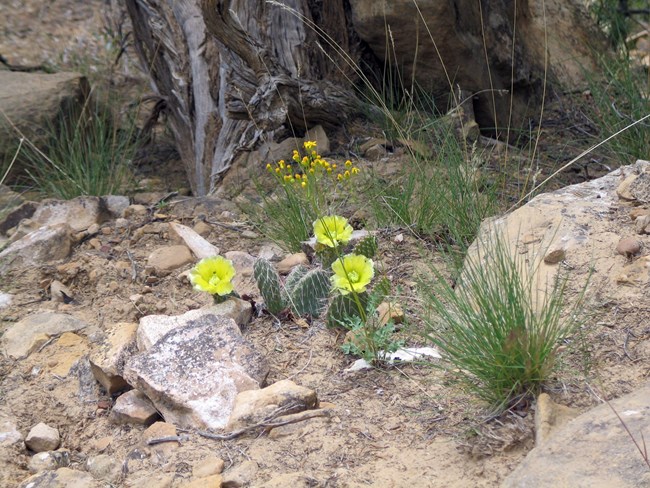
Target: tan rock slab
x=199, y=246
x=170, y=258
x=26, y=336
x=43, y=245
x=208, y=466
x=287, y=264
x=254, y=406
x=213, y=481
x=549, y=417
x=133, y=407
x=68, y=350
x=108, y=359
x=61, y=478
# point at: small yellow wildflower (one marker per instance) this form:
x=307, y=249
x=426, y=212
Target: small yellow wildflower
x=346, y=174
x=281, y=163
x=311, y=171
x=305, y=160
x=303, y=184
x=268, y=167
x=309, y=145
x=332, y=230
x=352, y=273
x=213, y=275
x=348, y=163
x=277, y=170
x=355, y=170
x=339, y=177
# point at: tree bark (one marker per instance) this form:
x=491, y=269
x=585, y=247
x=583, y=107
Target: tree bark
x=233, y=72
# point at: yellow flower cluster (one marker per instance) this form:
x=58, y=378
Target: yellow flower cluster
x=302, y=170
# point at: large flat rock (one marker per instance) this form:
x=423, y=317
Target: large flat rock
x=193, y=374
x=592, y=451
x=24, y=337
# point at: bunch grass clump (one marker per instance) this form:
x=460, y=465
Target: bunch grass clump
x=499, y=327
x=86, y=153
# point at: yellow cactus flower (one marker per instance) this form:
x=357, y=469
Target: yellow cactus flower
x=309, y=145
x=352, y=273
x=332, y=230
x=213, y=275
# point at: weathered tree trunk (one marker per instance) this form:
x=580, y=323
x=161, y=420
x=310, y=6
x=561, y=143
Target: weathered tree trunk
x=232, y=72
x=236, y=72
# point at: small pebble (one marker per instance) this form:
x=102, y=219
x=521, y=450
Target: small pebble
x=628, y=246
x=249, y=234
x=555, y=257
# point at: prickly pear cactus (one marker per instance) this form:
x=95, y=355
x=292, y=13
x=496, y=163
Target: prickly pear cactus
x=294, y=277
x=367, y=247
x=344, y=306
x=309, y=294
x=268, y=281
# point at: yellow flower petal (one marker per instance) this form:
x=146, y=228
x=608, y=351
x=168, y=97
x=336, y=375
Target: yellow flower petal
x=309, y=145
x=213, y=275
x=332, y=230
x=352, y=273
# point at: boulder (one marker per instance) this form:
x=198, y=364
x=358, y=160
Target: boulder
x=578, y=225
x=24, y=337
x=107, y=361
x=193, y=374
x=154, y=327
x=593, y=450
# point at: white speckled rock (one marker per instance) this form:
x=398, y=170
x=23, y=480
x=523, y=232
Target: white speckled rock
x=193, y=374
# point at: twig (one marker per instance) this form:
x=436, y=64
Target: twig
x=134, y=267
x=267, y=424
x=169, y=438
x=225, y=226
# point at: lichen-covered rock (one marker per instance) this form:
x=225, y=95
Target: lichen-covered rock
x=193, y=374
x=107, y=361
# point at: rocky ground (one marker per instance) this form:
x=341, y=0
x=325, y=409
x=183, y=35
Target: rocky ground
x=407, y=425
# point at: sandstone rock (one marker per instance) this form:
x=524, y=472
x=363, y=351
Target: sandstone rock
x=623, y=188
x=579, y=220
x=42, y=437
x=49, y=460
x=628, y=246
x=151, y=480
x=642, y=224
x=104, y=467
x=133, y=407
x=24, y=337
x=592, y=450
x=387, y=311
x=116, y=205
x=243, y=281
x=213, y=481
x=153, y=327
x=13, y=218
x=549, y=417
x=240, y=475
x=170, y=258
x=197, y=244
x=291, y=261
x=249, y=234
x=555, y=256
x=160, y=430
x=9, y=433
x=107, y=361
x=61, y=478
x=193, y=374
x=68, y=350
x=318, y=135
x=46, y=244
x=135, y=211
x=270, y=252
x=102, y=443
x=202, y=228
x=208, y=466
x=59, y=292
x=79, y=213
x=254, y=406
x=637, y=212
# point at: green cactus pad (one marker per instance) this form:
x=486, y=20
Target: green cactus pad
x=343, y=306
x=309, y=295
x=367, y=247
x=268, y=281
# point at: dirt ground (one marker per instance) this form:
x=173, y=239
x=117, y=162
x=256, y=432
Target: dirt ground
x=407, y=426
